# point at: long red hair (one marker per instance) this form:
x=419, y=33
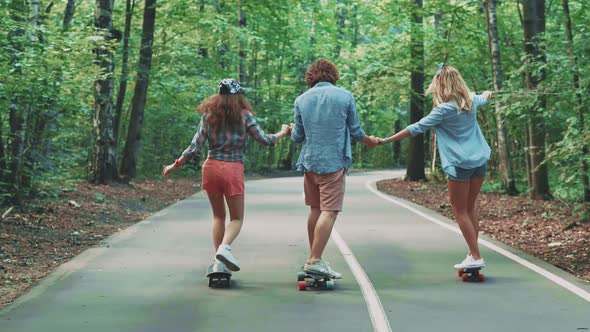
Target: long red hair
x=224, y=109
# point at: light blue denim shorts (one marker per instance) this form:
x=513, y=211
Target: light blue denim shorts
x=465, y=174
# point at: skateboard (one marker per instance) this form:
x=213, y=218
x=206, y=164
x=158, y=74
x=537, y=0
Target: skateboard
x=312, y=280
x=219, y=276
x=471, y=274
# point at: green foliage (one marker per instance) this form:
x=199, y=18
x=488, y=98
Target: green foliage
x=48, y=75
x=99, y=198
x=491, y=186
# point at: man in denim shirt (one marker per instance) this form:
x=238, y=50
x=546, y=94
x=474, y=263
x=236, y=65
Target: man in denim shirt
x=325, y=121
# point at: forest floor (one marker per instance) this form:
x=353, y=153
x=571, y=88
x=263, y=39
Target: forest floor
x=46, y=234
x=545, y=229
x=36, y=240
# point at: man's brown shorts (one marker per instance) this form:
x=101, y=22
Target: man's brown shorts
x=325, y=191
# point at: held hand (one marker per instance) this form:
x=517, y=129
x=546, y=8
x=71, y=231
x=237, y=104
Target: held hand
x=167, y=170
x=372, y=142
x=284, y=129
x=487, y=94
x=290, y=129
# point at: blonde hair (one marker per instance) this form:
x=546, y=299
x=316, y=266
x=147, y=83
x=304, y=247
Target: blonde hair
x=448, y=86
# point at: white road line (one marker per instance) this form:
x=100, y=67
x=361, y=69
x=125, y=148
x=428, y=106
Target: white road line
x=378, y=318
x=556, y=279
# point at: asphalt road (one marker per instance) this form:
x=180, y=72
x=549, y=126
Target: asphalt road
x=396, y=259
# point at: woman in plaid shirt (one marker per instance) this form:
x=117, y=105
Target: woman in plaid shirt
x=226, y=124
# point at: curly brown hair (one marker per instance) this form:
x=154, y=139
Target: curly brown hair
x=224, y=110
x=321, y=70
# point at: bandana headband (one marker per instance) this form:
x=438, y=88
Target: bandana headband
x=229, y=86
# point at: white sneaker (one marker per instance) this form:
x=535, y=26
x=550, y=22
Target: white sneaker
x=470, y=262
x=218, y=266
x=224, y=255
x=321, y=267
x=315, y=268
x=218, y=262
x=334, y=274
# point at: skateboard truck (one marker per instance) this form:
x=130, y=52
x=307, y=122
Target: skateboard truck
x=471, y=274
x=219, y=276
x=310, y=280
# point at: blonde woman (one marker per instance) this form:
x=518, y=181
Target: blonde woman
x=463, y=150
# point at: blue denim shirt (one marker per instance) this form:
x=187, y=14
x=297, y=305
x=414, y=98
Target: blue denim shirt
x=458, y=136
x=325, y=120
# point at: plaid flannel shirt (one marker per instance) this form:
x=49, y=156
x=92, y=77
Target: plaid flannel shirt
x=227, y=144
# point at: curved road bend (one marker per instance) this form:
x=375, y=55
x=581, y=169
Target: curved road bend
x=397, y=268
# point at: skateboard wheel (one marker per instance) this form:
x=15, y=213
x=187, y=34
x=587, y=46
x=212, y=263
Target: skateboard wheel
x=465, y=277
x=210, y=283
x=480, y=277
x=302, y=285
x=460, y=272
x=330, y=284
x=300, y=276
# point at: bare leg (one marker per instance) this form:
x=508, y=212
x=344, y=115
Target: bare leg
x=312, y=219
x=218, y=207
x=236, y=215
x=322, y=233
x=474, y=188
x=459, y=193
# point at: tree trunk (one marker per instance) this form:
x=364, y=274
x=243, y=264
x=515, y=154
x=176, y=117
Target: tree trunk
x=442, y=33
x=2, y=157
x=281, y=61
x=129, y=5
x=534, y=27
x=222, y=49
x=527, y=156
x=34, y=17
x=579, y=102
x=129, y=162
x=203, y=51
x=255, y=72
x=15, y=141
x=341, y=12
x=27, y=133
x=433, y=160
x=415, y=168
x=506, y=170
x=104, y=165
x=355, y=26
x=18, y=127
x=242, y=44
x=69, y=14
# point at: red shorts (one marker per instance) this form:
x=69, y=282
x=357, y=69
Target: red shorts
x=223, y=177
x=325, y=191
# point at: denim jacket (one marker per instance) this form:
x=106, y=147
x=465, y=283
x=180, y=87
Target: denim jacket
x=458, y=136
x=325, y=121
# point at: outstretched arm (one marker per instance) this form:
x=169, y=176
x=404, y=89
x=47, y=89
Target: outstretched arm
x=398, y=136
x=258, y=134
x=482, y=99
x=192, y=151
x=434, y=118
